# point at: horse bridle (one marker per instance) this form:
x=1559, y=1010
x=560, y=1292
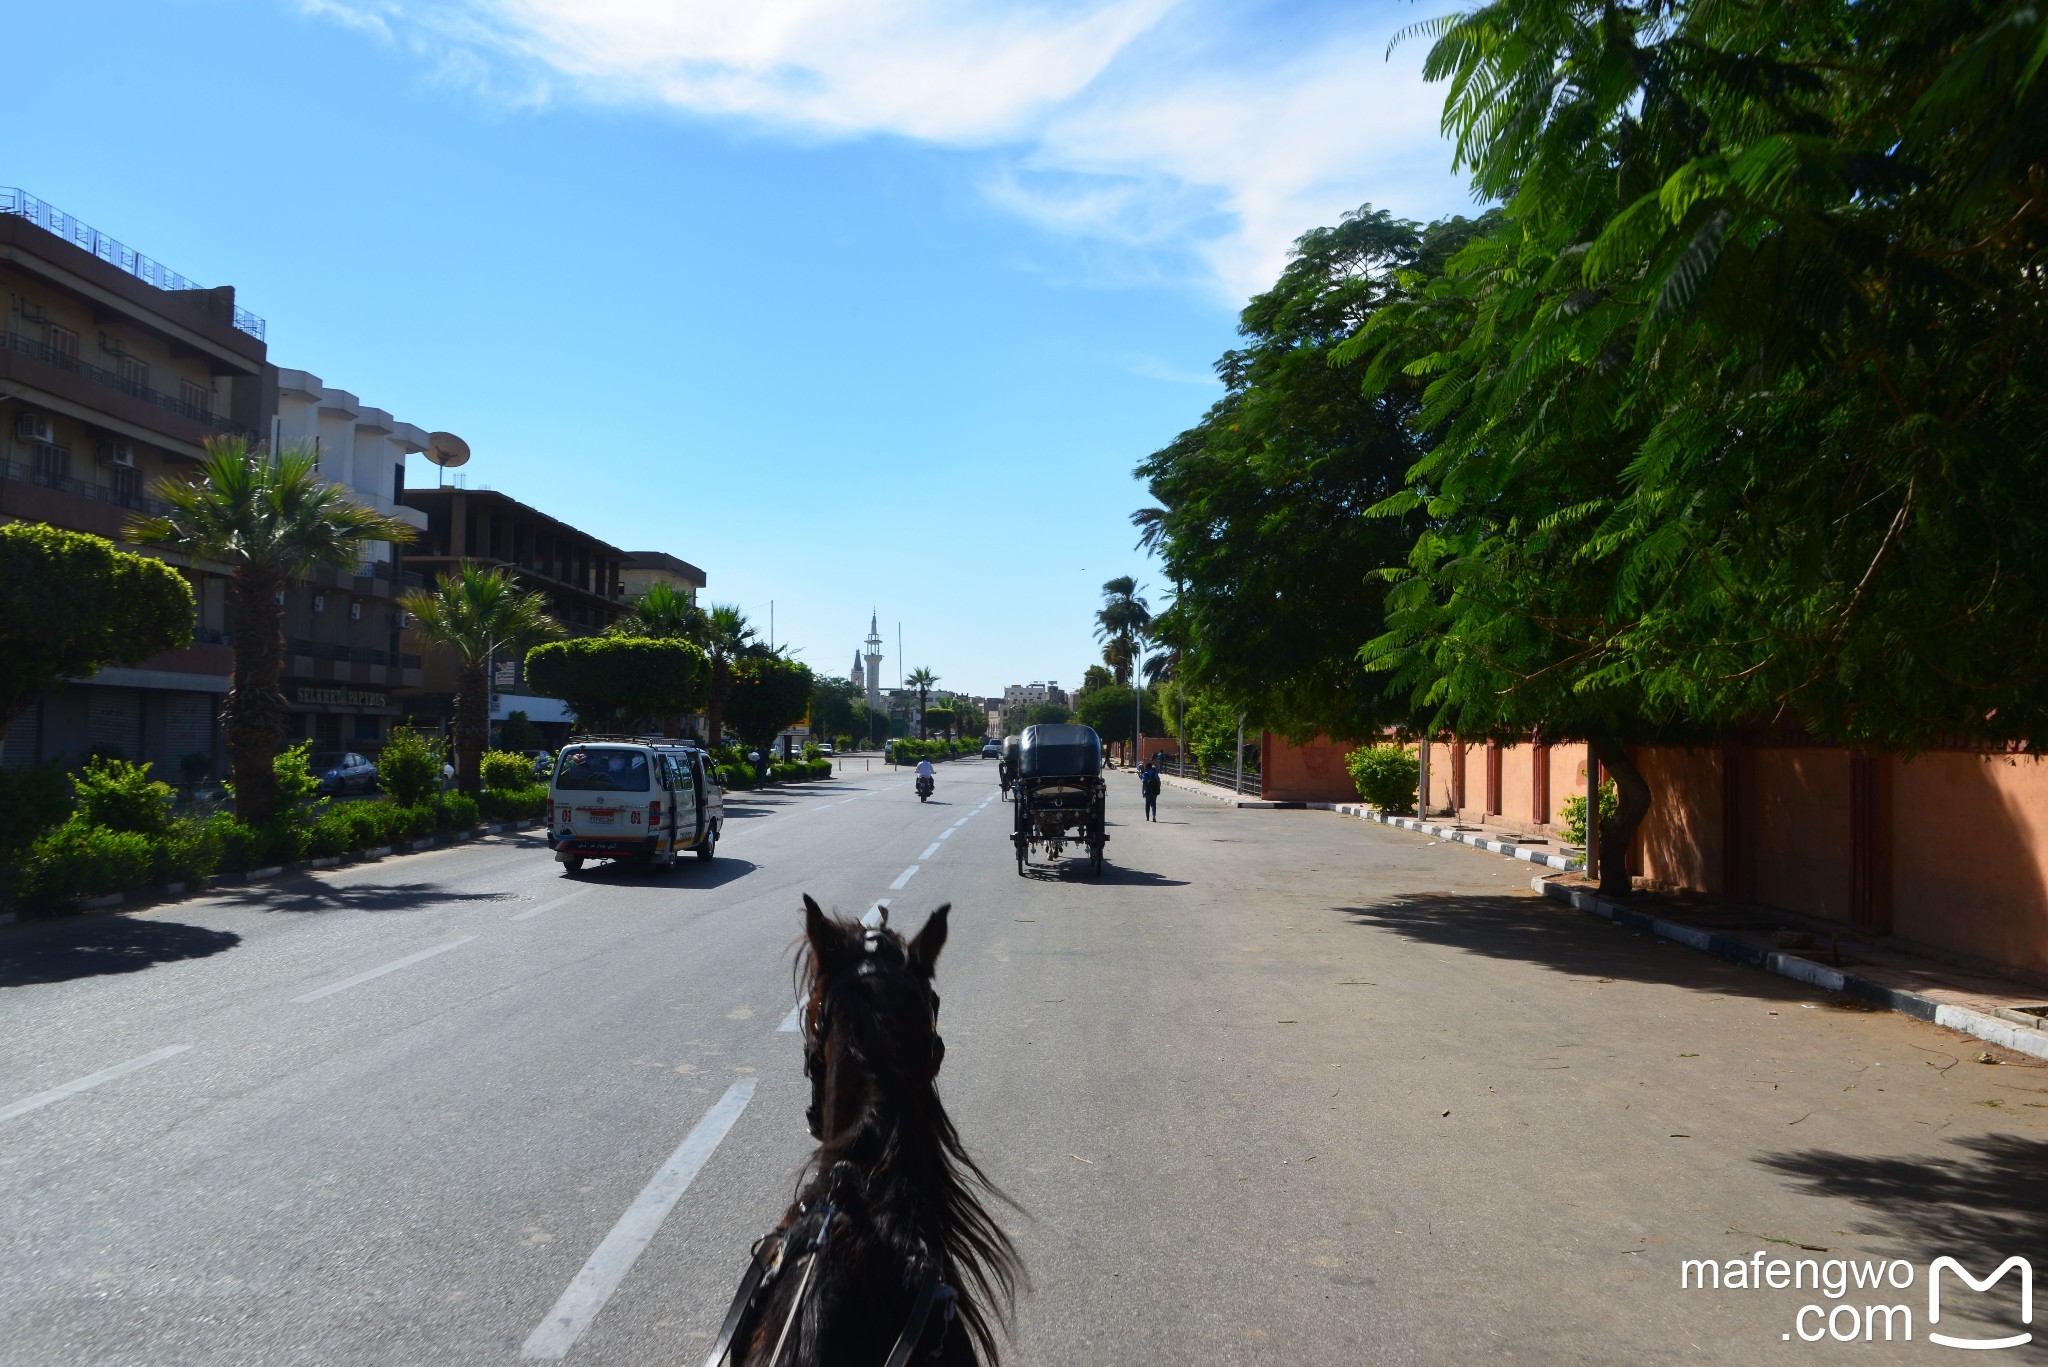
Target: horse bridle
x=814, y=1027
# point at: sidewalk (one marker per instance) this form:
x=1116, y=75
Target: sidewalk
x=1822, y=954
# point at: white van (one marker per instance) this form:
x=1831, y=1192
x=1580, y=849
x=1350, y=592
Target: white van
x=625, y=799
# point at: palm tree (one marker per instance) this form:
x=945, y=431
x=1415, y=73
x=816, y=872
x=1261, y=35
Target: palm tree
x=666, y=613
x=922, y=680
x=476, y=612
x=272, y=520
x=727, y=638
x=1120, y=624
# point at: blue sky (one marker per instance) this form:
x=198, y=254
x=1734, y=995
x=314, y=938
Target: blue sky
x=855, y=303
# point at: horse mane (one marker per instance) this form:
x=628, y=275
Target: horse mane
x=921, y=1181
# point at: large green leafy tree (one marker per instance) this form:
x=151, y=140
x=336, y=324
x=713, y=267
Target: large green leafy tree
x=728, y=640
x=71, y=603
x=767, y=697
x=833, y=708
x=1260, y=507
x=271, y=519
x=1110, y=711
x=664, y=613
x=617, y=682
x=477, y=614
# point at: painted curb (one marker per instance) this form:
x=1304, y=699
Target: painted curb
x=2018, y=1038
x=112, y=899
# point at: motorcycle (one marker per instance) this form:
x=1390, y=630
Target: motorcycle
x=924, y=787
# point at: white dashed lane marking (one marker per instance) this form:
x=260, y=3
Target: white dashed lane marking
x=89, y=1081
x=903, y=878
x=346, y=983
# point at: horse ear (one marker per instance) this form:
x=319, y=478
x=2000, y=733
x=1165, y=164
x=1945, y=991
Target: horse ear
x=827, y=943
x=924, y=950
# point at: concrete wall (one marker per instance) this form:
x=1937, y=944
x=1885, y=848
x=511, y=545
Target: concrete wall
x=1969, y=856
x=1679, y=842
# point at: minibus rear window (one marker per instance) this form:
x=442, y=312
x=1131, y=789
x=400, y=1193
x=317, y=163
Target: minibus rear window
x=598, y=769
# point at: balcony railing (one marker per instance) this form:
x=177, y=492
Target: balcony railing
x=85, y=237
x=28, y=474
x=357, y=655
x=48, y=355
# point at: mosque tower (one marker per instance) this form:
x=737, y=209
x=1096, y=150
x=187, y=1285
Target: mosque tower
x=873, y=656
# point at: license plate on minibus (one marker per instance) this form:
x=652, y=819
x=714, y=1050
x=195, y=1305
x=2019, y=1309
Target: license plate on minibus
x=603, y=816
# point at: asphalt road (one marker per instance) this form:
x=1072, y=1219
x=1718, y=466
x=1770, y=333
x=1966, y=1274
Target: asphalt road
x=1278, y=1088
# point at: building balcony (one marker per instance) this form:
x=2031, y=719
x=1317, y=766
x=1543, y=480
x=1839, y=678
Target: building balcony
x=96, y=390
x=78, y=505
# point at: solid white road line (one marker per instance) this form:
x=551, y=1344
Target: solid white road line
x=614, y=1258
x=903, y=878
x=346, y=983
x=532, y=912
x=89, y=1081
x=930, y=850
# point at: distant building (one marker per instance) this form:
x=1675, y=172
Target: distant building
x=644, y=569
x=1020, y=695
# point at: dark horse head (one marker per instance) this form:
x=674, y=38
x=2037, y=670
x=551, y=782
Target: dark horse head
x=892, y=1204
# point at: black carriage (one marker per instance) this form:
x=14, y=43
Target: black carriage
x=1059, y=794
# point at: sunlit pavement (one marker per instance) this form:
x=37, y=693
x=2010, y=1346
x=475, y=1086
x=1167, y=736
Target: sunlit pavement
x=1278, y=1087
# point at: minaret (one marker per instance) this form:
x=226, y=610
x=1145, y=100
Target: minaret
x=860, y=679
x=873, y=656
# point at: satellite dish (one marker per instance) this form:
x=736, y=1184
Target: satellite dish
x=447, y=450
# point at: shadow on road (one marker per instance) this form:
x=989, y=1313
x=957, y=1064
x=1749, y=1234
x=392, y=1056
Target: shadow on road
x=311, y=895
x=106, y=944
x=1076, y=871
x=1989, y=1196
x=691, y=874
x=1534, y=930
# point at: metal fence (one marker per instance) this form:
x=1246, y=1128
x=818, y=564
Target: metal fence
x=28, y=474
x=48, y=355
x=1231, y=778
x=87, y=238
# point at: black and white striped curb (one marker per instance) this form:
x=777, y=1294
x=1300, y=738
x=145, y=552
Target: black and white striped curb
x=1562, y=863
x=2019, y=1038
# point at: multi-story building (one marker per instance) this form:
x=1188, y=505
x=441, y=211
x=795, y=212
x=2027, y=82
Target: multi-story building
x=643, y=569
x=343, y=661
x=114, y=371
x=580, y=576
x=1017, y=695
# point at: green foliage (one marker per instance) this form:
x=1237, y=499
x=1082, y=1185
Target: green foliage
x=505, y=770
x=119, y=796
x=833, y=705
x=70, y=603
x=613, y=682
x=35, y=797
x=1388, y=776
x=296, y=783
x=1109, y=711
x=190, y=848
x=457, y=811
x=768, y=695
x=1573, y=813
x=194, y=768
x=664, y=613
x=80, y=860
x=519, y=733
x=513, y=803
x=1123, y=624
x=409, y=766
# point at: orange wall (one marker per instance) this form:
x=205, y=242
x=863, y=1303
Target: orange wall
x=1798, y=800
x=1679, y=842
x=1969, y=856
x=1305, y=773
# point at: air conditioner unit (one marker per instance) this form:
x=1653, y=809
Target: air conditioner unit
x=401, y=620
x=34, y=427
x=117, y=453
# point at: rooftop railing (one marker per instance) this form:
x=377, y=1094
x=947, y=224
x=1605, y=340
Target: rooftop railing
x=85, y=237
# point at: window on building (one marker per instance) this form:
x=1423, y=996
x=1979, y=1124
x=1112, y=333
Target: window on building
x=63, y=344
x=134, y=374
x=125, y=481
x=50, y=465
x=198, y=398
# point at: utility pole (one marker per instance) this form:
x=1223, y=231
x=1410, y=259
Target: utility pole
x=1422, y=765
x=1237, y=784
x=1592, y=814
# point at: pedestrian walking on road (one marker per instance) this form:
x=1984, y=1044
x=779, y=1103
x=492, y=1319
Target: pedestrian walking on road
x=1148, y=784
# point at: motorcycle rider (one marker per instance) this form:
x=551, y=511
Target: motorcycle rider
x=925, y=775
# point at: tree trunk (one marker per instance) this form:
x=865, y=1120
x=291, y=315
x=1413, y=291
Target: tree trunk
x=254, y=714
x=1632, y=804
x=714, y=707
x=472, y=726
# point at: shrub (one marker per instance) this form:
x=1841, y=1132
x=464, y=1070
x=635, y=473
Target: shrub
x=503, y=770
x=821, y=768
x=513, y=804
x=458, y=811
x=295, y=782
x=333, y=834
x=79, y=860
x=1573, y=812
x=119, y=796
x=409, y=766
x=36, y=798
x=416, y=822
x=786, y=773
x=195, y=767
x=736, y=776
x=191, y=848
x=1386, y=775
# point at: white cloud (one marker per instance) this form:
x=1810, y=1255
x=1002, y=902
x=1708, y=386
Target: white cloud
x=1164, y=127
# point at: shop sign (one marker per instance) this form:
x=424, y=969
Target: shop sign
x=341, y=697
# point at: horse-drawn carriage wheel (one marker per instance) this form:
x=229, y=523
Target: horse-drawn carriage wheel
x=1095, y=861
x=1020, y=863
x=572, y=865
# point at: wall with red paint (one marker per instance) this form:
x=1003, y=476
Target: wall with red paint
x=1313, y=772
